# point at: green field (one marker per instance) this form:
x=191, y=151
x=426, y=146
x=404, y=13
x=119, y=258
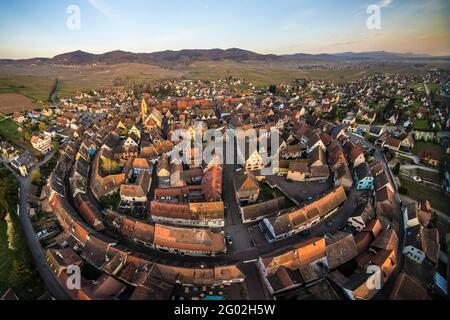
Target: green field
x=420, y=124
x=417, y=191
x=33, y=87
x=8, y=132
x=8, y=129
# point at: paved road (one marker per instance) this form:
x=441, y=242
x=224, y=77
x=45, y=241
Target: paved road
x=412, y=167
x=37, y=253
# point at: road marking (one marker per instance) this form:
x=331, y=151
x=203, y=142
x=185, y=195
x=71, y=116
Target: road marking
x=249, y=261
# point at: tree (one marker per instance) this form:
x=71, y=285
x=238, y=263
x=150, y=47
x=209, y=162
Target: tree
x=42, y=126
x=273, y=89
x=110, y=202
x=110, y=166
x=26, y=136
x=36, y=177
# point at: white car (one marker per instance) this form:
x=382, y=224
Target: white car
x=417, y=179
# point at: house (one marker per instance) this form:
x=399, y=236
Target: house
x=139, y=165
x=408, y=141
x=343, y=177
x=212, y=183
x=125, y=153
x=361, y=216
x=298, y=171
x=106, y=184
x=134, y=197
x=349, y=121
x=429, y=157
x=363, y=177
x=8, y=150
x=131, y=141
x=376, y=131
x=104, y=288
x=163, y=170
x=317, y=157
x=259, y=211
x=369, y=117
x=281, y=272
x=381, y=180
x=295, y=220
x=247, y=187
x=409, y=289
x=385, y=206
x=189, y=241
x=340, y=249
x=42, y=143
x=293, y=151
x=357, y=156
x=59, y=260
x=251, y=158
x=356, y=286
x=199, y=214
x=24, y=163
x=19, y=118
x=89, y=212
x=312, y=140
x=154, y=120
x=392, y=143
x=135, y=131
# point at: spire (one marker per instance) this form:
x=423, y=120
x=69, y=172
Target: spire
x=144, y=109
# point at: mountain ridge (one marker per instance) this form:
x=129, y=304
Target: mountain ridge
x=80, y=57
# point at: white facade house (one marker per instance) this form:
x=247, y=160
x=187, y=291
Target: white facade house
x=42, y=143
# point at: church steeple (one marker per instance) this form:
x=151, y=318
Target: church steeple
x=144, y=109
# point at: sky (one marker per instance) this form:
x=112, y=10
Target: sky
x=39, y=28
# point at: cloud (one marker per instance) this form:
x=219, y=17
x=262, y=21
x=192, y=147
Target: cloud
x=384, y=3
x=101, y=7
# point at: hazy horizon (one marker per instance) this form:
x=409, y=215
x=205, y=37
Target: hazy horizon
x=39, y=29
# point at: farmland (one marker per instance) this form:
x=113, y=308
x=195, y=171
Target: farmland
x=34, y=87
x=37, y=81
x=12, y=102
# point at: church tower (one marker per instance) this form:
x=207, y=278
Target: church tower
x=144, y=109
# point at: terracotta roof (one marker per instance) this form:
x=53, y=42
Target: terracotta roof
x=341, y=248
x=189, y=239
x=300, y=167
x=430, y=243
x=245, y=180
x=263, y=209
x=141, y=163
x=387, y=240
x=89, y=212
x=356, y=152
x=300, y=255
x=212, y=184
x=407, y=288
x=374, y=227
x=293, y=219
x=170, y=210
x=362, y=241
